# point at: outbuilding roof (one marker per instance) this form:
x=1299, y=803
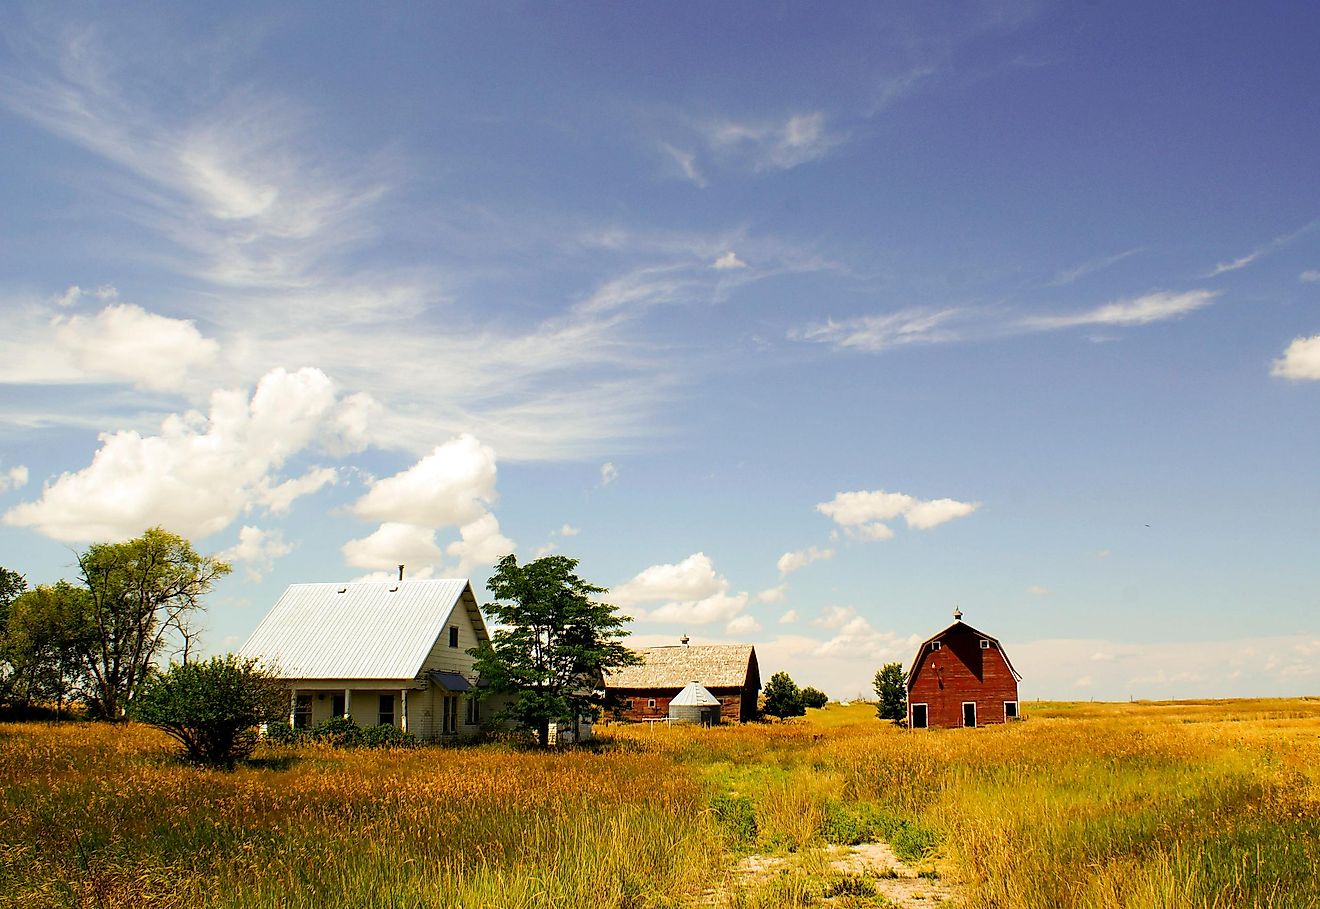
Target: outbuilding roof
x=713, y=665
x=364, y=630
x=694, y=695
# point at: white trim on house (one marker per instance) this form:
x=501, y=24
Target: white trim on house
x=1016, y=714
x=912, y=716
x=965, y=705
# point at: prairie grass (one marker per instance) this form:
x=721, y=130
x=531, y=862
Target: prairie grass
x=1206, y=804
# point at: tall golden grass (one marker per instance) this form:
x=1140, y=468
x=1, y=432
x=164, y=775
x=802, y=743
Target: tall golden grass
x=1211, y=804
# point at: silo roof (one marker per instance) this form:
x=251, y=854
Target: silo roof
x=694, y=696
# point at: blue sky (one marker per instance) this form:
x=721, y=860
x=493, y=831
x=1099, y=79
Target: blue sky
x=797, y=325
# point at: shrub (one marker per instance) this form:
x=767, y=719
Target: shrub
x=211, y=708
x=814, y=698
x=339, y=731
x=737, y=816
x=281, y=733
x=387, y=736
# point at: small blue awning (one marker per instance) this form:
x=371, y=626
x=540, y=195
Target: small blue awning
x=451, y=681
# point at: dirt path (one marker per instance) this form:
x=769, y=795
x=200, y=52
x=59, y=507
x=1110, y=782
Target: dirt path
x=865, y=875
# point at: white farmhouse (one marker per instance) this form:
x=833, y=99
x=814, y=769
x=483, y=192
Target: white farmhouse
x=391, y=652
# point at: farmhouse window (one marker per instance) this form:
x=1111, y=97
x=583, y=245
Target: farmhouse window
x=453, y=635
x=449, y=722
x=650, y=702
x=919, y=716
x=302, y=712
x=1010, y=710
x=386, y=714
x=985, y=645
x=337, y=704
x=473, y=712
x=934, y=645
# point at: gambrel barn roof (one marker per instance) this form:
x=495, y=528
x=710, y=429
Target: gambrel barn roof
x=364, y=630
x=963, y=628
x=713, y=665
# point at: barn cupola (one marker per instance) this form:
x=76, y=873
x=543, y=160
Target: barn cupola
x=957, y=614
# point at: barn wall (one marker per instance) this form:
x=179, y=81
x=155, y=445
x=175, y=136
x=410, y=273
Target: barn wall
x=732, y=702
x=961, y=671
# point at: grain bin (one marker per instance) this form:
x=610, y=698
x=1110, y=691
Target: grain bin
x=696, y=705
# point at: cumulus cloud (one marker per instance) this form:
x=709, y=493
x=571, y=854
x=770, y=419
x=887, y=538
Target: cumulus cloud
x=201, y=472
x=13, y=478
x=257, y=550
x=789, y=617
x=729, y=260
x=1310, y=276
x=1300, y=360
x=127, y=342
x=480, y=543
x=773, y=594
x=790, y=562
x=608, y=473
x=862, y=513
x=394, y=544
x=690, y=592
x=568, y=530
x=743, y=624
x=452, y=485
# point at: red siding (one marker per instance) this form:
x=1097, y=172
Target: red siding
x=958, y=672
x=733, y=703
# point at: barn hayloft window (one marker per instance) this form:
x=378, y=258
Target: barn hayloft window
x=650, y=702
x=1010, y=710
x=985, y=645
x=934, y=645
x=453, y=635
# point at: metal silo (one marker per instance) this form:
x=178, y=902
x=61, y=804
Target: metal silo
x=694, y=704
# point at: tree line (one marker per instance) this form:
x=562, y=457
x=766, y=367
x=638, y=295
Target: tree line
x=96, y=639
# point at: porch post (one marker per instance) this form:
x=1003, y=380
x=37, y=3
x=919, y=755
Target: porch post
x=403, y=710
x=293, y=707
x=348, y=703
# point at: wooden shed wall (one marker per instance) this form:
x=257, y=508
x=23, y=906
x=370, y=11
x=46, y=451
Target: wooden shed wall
x=733, y=702
x=958, y=672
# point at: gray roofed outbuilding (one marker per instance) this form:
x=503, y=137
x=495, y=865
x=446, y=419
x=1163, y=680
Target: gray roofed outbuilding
x=364, y=630
x=715, y=665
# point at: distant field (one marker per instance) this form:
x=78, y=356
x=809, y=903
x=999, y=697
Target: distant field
x=1196, y=804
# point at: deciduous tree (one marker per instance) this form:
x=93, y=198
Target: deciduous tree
x=783, y=698
x=814, y=698
x=142, y=591
x=556, y=643
x=891, y=689
x=48, y=633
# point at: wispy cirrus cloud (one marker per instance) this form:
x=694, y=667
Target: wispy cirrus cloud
x=1072, y=275
x=916, y=326
x=1260, y=251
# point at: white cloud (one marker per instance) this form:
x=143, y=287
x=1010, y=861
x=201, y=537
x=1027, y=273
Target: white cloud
x=608, y=473
x=694, y=578
x=687, y=164
x=743, y=624
x=74, y=293
x=480, y=544
x=568, y=530
x=393, y=544
x=789, y=617
x=801, y=558
x=878, y=332
x=1310, y=276
x=773, y=594
x=452, y=485
x=257, y=549
x=1153, y=307
x=1037, y=590
x=835, y=616
x=1258, y=253
x=279, y=498
x=544, y=550
x=1104, y=553
x=1071, y=275
x=13, y=478
x=200, y=473
x=799, y=139
x=728, y=260
x=861, y=513
x=696, y=594
x=1300, y=360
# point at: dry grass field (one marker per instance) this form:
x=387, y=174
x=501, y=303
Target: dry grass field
x=1213, y=804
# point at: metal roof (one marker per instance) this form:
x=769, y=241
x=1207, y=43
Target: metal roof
x=451, y=681
x=368, y=630
x=694, y=696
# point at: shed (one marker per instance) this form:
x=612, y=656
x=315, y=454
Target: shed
x=728, y=671
x=694, y=704
x=961, y=677
x=392, y=652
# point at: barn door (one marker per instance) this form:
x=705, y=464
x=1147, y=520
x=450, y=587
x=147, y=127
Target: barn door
x=969, y=713
x=919, y=716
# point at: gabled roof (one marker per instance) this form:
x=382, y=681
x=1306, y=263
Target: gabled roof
x=713, y=665
x=923, y=649
x=367, y=630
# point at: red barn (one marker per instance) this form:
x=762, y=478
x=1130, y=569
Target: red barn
x=961, y=677
x=728, y=671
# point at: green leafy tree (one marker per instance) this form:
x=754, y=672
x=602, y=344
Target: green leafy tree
x=783, y=698
x=48, y=633
x=814, y=698
x=142, y=592
x=555, y=645
x=212, y=708
x=891, y=690
x=11, y=585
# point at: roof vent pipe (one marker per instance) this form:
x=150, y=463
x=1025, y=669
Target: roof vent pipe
x=400, y=572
